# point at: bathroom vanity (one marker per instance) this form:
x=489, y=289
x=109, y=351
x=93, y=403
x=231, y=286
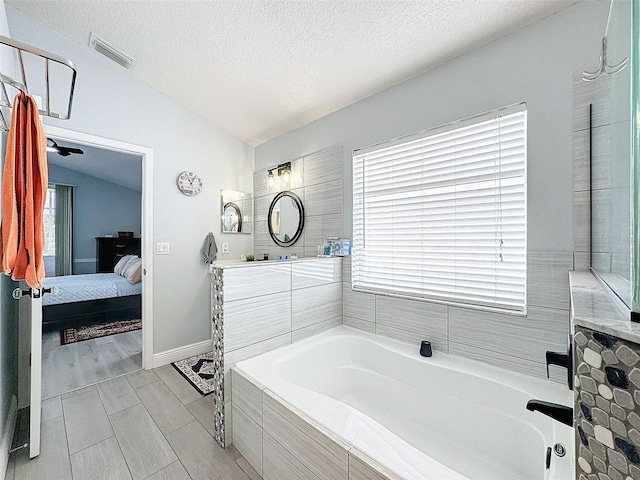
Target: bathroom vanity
x=257, y=307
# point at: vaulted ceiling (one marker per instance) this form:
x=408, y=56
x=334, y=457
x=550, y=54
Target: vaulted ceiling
x=259, y=68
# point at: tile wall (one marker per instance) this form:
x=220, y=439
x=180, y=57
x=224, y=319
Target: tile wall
x=508, y=341
x=257, y=308
x=317, y=180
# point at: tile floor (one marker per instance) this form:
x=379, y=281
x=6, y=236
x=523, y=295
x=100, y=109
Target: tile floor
x=68, y=367
x=142, y=425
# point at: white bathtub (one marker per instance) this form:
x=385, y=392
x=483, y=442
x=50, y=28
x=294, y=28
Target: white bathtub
x=438, y=418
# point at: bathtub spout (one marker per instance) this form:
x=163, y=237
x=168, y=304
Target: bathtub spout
x=557, y=412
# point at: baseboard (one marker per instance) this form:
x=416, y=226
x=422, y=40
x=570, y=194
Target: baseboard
x=7, y=436
x=180, y=353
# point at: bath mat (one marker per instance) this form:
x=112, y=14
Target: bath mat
x=198, y=370
x=80, y=334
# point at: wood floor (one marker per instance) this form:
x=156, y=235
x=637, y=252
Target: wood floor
x=68, y=367
x=144, y=425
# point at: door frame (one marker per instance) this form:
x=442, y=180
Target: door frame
x=147, y=220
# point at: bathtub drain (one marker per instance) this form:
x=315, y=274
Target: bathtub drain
x=559, y=450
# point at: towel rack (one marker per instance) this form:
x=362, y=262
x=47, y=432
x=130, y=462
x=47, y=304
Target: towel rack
x=5, y=80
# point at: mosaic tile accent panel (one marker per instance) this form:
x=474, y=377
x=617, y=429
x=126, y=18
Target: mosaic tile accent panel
x=217, y=332
x=607, y=406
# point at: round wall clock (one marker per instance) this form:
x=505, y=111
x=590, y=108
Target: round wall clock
x=189, y=183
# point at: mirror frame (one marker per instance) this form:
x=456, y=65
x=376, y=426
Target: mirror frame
x=299, y=205
x=238, y=213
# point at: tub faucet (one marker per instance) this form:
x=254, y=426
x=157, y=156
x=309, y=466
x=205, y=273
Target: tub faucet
x=557, y=412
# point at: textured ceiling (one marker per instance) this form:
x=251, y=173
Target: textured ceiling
x=259, y=68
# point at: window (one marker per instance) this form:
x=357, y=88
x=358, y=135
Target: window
x=441, y=214
x=49, y=219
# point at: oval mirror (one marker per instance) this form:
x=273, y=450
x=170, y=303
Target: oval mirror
x=286, y=218
x=232, y=218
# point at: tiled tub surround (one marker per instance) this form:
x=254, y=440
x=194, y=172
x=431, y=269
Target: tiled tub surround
x=317, y=179
x=324, y=407
x=508, y=341
x=259, y=306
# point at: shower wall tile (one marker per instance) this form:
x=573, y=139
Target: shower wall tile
x=316, y=304
x=346, y=269
x=581, y=261
x=311, y=274
x=253, y=320
x=526, y=338
x=241, y=283
x=548, y=279
x=427, y=321
x=581, y=168
x=260, y=187
x=581, y=221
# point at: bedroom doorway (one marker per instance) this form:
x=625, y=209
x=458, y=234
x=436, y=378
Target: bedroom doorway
x=113, y=343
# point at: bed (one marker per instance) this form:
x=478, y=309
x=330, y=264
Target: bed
x=90, y=298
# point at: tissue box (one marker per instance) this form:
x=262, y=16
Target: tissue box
x=340, y=247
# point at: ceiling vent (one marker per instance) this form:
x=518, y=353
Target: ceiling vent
x=100, y=45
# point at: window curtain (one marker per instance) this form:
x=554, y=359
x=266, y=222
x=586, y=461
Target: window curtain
x=64, y=230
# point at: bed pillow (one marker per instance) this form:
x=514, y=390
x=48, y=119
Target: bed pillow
x=122, y=263
x=133, y=272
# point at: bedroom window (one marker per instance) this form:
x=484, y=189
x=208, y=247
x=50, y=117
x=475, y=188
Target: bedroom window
x=50, y=222
x=441, y=214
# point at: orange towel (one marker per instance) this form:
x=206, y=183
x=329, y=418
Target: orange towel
x=24, y=187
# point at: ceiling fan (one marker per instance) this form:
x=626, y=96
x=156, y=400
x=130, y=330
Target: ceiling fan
x=52, y=146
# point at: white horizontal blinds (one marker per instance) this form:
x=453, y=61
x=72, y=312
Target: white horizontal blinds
x=443, y=215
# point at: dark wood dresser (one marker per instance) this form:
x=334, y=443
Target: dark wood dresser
x=110, y=249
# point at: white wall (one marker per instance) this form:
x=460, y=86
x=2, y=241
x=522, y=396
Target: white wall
x=8, y=317
x=109, y=102
x=534, y=65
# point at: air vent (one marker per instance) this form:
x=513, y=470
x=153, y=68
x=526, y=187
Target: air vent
x=105, y=48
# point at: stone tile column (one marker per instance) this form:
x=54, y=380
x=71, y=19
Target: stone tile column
x=607, y=407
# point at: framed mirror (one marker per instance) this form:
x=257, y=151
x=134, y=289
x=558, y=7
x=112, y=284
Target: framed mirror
x=236, y=211
x=285, y=218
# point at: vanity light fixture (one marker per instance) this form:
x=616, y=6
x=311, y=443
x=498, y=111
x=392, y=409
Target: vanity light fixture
x=284, y=171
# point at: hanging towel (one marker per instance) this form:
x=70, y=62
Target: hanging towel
x=24, y=186
x=209, y=249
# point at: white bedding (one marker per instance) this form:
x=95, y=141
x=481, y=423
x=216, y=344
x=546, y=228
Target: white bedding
x=92, y=286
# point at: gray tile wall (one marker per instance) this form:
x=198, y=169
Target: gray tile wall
x=317, y=180
x=508, y=341
x=257, y=308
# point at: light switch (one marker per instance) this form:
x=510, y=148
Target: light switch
x=162, y=248
x=225, y=247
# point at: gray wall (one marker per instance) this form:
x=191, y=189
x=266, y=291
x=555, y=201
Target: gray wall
x=111, y=103
x=534, y=65
x=100, y=208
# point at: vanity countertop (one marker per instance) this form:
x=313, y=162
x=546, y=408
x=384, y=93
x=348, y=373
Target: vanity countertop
x=255, y=263
x=593, y=307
